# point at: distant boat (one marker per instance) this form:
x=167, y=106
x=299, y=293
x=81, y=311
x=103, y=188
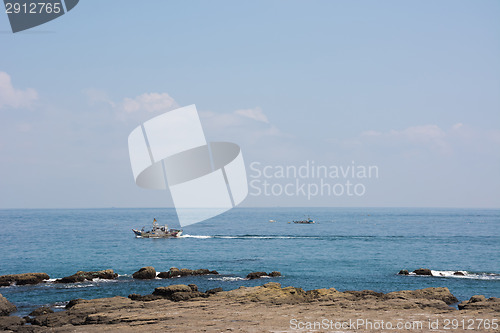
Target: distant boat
x=308, y=220
x=158, y=231
x=272, y=221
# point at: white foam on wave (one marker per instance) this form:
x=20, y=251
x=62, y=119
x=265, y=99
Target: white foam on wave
x=78, y=285
x=228, y=278
x=465, y=275
x=60, y=305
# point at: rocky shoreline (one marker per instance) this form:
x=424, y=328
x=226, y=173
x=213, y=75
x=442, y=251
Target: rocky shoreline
x=270, y=307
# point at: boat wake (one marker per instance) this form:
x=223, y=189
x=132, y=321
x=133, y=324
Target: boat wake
x=251, y=237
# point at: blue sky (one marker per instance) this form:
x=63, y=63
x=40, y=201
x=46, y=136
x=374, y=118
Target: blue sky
x=412, y=87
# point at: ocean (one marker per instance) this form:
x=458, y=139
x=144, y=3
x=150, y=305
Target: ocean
x=347, y=248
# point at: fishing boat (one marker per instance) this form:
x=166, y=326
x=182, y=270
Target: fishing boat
x=158, y=231
x=307, y=220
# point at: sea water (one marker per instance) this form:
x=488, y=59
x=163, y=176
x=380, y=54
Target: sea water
x=347, y=248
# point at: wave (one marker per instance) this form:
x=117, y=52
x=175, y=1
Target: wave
x=458, y=274
x=466, y=275
x=228, y=278
x=60, y=305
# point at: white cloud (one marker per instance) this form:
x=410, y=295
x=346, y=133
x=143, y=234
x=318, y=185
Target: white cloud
x=243, y=125
x=426, y=134
x=430, y=137
x=150, y=102
x=255, y=114
x=15, y=98
x=98, y=96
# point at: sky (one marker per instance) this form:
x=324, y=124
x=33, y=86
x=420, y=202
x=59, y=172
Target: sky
x=412, y=88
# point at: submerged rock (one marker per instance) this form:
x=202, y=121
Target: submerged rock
x=258, y=275
x=175, y=272
x=23, y=279
x=81, y=276
x=459, y=274
x=145, y=273
x=6, y=307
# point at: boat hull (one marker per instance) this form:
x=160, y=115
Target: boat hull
x=157, y=234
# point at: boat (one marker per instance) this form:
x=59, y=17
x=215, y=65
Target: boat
x=307, y=220
x=158, y=231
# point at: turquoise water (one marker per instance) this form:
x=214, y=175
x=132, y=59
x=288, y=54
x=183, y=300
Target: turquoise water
x=348, y=249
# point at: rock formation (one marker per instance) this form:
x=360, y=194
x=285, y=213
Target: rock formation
x=478, y=302
x=23, y=279
x=258, y=275
x=145, y=273
x=6, y=307
x=423, y=271
x=82, y=276
x=175, y=272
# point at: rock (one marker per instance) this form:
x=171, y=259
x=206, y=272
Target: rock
x=23, y=279
x=81, y=276
x=479, y=302
x=403, y=272
x=164, y=275
x=459, y=274
x=6, y=307
x=11, y=323
x=41, y=311
x=423, y=271
x=193, y=287
x=183, y=296
x=438, y=293
x=82, y=313
x=145, y=298
x=364, y=293
x=167, y=291
x=256, y=275
x=175, y=272
x=213, y=291
x=145, y=273
x=129, y=314
x=477, y=298
x=74, y=302
x=177, y=292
